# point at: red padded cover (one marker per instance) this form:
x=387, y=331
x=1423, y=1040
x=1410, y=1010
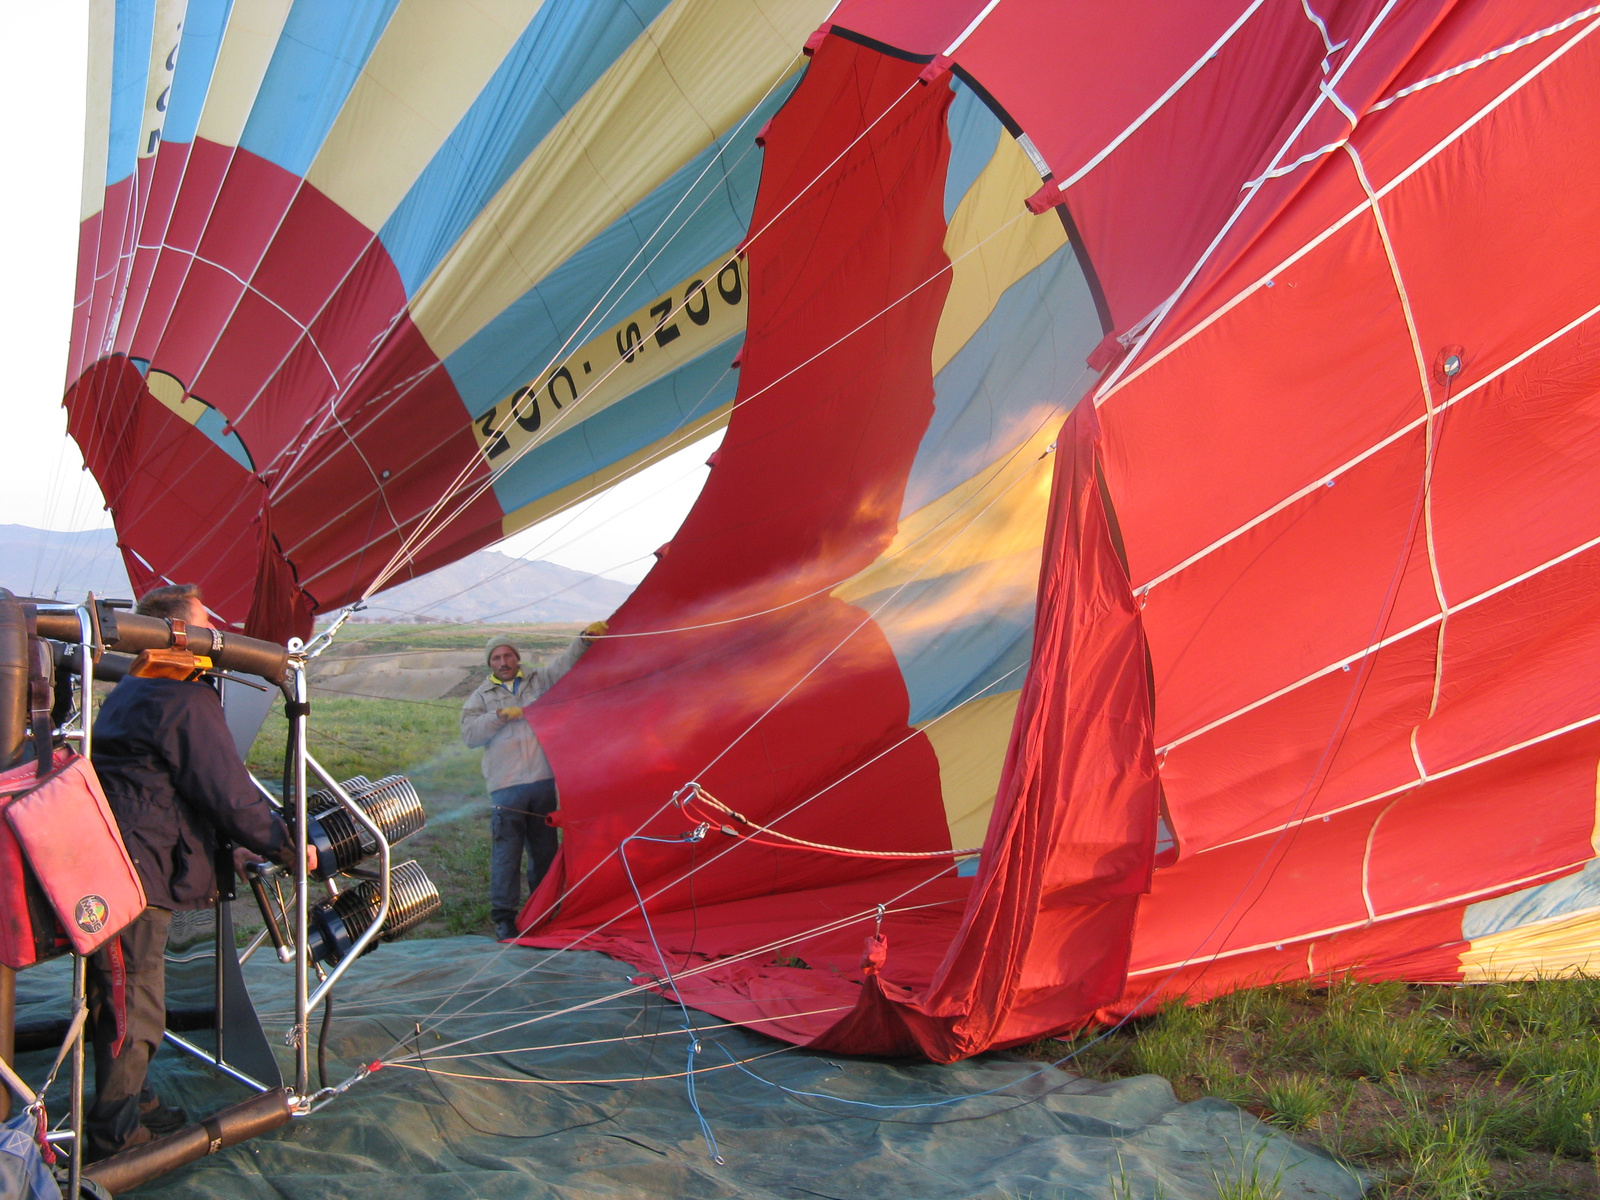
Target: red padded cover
x=29, y=933
x=71, y=841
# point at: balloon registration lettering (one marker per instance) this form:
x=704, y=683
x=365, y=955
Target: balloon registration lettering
x=705, y=310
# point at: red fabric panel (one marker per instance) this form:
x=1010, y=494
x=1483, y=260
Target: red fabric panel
x=204, y=168
x=1045, y=938
x=267, y=353
x=1150, y=209
x=1425, y=948
x=1269, y=391
x=806, y=491
x=117, y=222
x=1429, y=850
x=136, y=448
x=165, y=177
x=925, y=28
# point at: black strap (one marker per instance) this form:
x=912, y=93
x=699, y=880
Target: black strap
x=40, y=668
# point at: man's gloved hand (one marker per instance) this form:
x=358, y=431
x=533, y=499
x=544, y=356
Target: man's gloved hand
x=243, y=856
x=595, y=629
x=509, y=714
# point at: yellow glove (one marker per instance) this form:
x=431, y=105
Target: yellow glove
x=594, y=630
x=509, y=714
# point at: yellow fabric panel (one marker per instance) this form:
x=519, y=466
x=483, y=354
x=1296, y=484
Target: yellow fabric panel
x=639, y=349
x=171, y=392
x=97, y=106
x=978, y=279
x=699, y=68
x=970, y=743
x=428, y=67
x=580, y=489
x=242, y=60
x=1563, y=947
x=988, y=531
x=158, y=80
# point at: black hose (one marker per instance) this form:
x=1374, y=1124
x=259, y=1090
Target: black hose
x=322, y=1042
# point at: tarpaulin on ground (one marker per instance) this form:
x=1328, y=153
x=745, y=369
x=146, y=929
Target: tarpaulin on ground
x=533, y=1129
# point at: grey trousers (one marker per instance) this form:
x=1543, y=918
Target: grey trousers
x=517, y=827
x=113, y=1123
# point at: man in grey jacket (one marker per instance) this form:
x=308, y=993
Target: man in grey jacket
x=522, y=788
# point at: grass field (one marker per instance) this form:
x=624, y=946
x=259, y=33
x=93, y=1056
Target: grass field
x=1441, y=1093
x=1435, y=1093
x=370, y=735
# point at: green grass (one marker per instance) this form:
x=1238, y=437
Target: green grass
x=358, y=736
x=421, y=740
x=1246, y=1177
x=1487, y=1092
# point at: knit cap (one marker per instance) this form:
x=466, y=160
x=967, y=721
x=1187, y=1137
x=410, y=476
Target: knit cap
x=496, y=641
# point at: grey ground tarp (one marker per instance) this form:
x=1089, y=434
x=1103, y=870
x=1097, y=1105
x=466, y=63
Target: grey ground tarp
x=533, y=1128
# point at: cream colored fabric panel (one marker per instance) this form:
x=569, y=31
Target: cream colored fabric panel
x=1549, y=949
x=247, y=47
x=548, y=506
x=433, y=59
x=97, y=106
x=699, y=68
x=697, y=315
x=970, y=743
x=158, y=80
x=978, y=277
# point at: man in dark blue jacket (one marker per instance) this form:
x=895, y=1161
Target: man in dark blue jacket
x=180, y=794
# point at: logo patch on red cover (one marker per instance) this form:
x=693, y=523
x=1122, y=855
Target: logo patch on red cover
x=90, y=913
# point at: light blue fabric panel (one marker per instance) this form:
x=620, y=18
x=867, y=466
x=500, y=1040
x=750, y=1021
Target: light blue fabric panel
x=323, y=46
x=1021, y=372
x=1024, y=367
x=203, y=23
x=950, y=665
x=1561, y=898
x=974, y=133
x=130, y=75
x=215, y=426
x=700, y=386
x=711, y=220
x=565, y=48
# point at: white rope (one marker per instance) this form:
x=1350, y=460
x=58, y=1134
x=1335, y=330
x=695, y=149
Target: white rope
x=1177, y=85
x=422, y=1061
x=571, y=889
x=1364, y=922
x=635, y=1037
x=1423, y=160
x=1350, y=660
x=1110, y=384
x=790, y=939
x=1473, y=64
x=700, y=793
x=409, y=550
x=1411, y=785
x=601, y=862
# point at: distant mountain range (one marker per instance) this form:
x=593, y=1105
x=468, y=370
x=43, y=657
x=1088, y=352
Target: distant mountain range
x=484, y=586
x=61, y=566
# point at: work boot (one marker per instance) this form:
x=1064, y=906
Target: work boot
x=157, y=1117
x=94, y=1150
x=504, y=931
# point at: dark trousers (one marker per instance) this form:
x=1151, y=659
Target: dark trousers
x=517, y=827
x=113, y=1123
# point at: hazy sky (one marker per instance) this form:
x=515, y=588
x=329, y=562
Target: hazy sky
x=42, y=481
